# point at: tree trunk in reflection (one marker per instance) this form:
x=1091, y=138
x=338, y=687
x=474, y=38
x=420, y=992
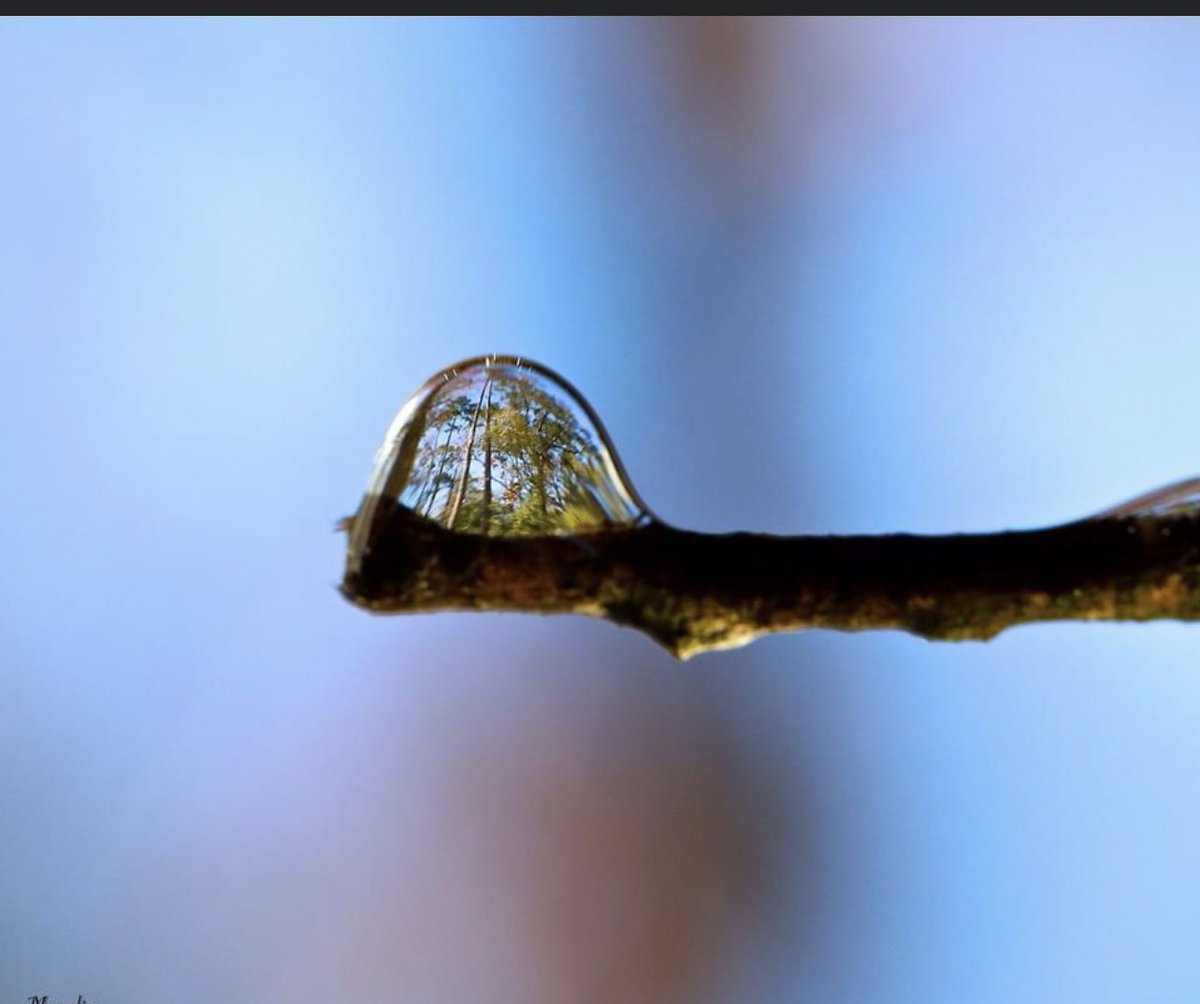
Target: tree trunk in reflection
x=486, y=514
x=464, y=475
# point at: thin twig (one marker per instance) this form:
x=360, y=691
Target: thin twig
x=693, y=592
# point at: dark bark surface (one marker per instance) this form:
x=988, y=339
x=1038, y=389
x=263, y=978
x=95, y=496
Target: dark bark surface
x=692, y=592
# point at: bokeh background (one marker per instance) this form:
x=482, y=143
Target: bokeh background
x=816, y=276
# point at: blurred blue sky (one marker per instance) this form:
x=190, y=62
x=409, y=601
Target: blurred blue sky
x=815, y=276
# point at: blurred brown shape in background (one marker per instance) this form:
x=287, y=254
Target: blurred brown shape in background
x=627, y=828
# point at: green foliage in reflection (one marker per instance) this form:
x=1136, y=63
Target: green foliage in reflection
x=504, y=454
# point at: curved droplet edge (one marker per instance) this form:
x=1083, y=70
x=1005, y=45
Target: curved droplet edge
x=387, y=457
x=1183, y=496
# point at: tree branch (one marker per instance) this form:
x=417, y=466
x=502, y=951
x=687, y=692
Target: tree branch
x=692, y=592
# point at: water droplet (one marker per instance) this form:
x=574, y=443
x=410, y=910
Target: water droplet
x=500, y=446
x=1179, y=499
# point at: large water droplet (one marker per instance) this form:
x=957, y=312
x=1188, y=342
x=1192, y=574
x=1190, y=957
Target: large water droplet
x=504, y=447
x=1179, y=499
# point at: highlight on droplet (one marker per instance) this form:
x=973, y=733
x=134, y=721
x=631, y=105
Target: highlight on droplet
x=1179, y=499
x=500, y=446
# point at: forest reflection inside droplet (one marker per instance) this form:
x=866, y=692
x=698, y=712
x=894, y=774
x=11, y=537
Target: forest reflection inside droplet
x=503, y=447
